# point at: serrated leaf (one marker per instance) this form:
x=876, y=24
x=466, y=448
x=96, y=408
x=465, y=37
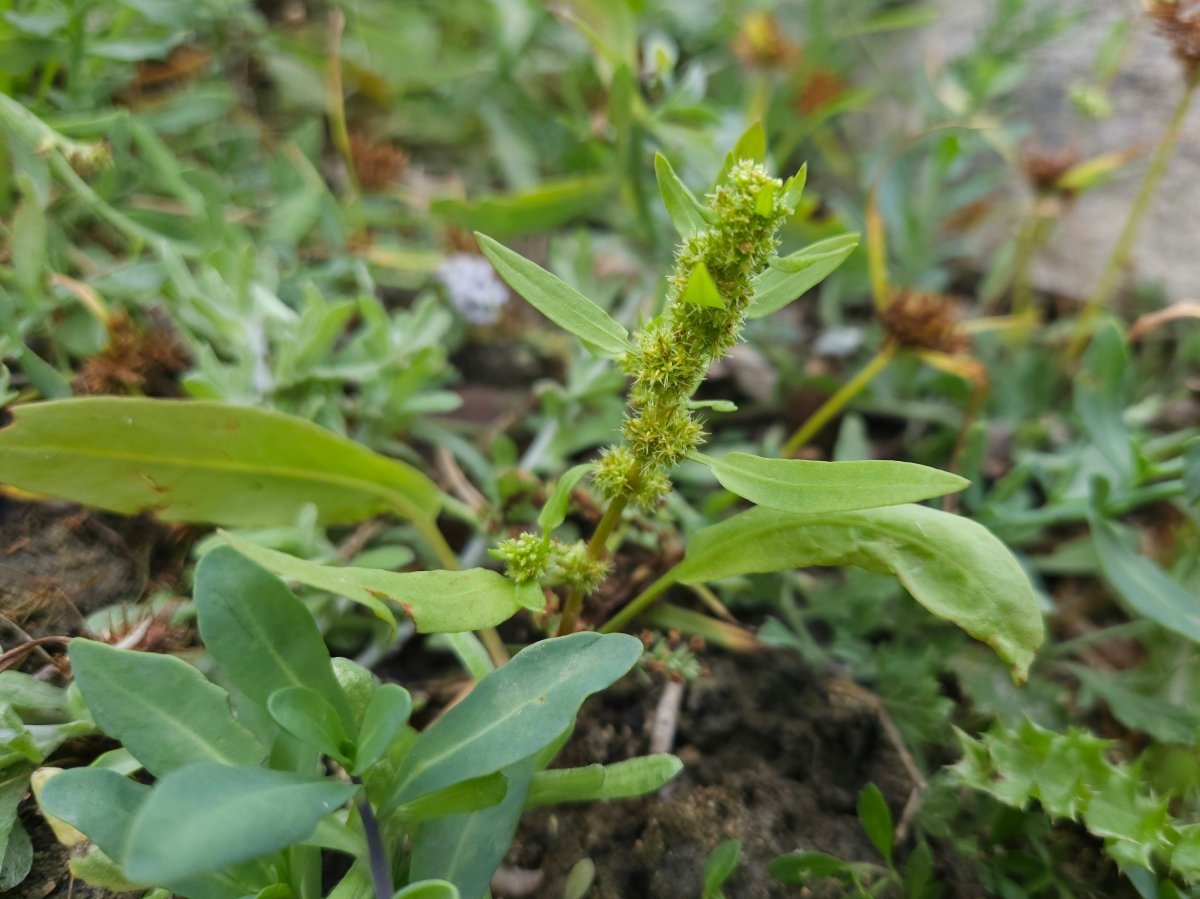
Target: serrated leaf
x=514, y=711
x=557, y=300
x=554, y=512
x=224, y=815
x=203, y=462
x=688, y=214
x=876, y=820
x=164, y=710
x=811, y=488
x=437, y=601
x=952, y=566
x=791, y=276
x=619, y=780
x=701, y=289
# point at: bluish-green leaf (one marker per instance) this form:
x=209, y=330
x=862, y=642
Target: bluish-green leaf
x=429, y=889
x=438, y=602
x=701, y=289
x=306, y=715
x=789, y=277
x=203, y=462
x=811, y=488
x=263, y=638
x=514, y=711
x=164, y=710
x=876, y=819
x=387, y=712
x=101, y=804
x=207, y=816
x=462, y=798
x=686, y=212
x=557, y=300
x=620, y=780
x=951, y=565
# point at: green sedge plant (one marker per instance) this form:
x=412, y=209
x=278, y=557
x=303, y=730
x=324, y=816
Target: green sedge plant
x=286, y=752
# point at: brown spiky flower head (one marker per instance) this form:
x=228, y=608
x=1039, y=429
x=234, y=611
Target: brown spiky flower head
x=1045, y=167
x=1179, y=22
x=919, y=320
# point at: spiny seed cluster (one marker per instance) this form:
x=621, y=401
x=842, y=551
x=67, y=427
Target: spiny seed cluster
x=551, y=563
x=673, y=353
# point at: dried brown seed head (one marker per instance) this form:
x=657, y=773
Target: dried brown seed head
x=1179, y=22
x=927, y=321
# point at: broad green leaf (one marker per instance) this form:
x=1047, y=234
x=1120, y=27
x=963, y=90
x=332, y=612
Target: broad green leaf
x=814, y=488
x=686, y=212
x=514, y=711
x=557, y=300
x=207, y=816
x=263, y=638
x=99, y=803
x=437, y=601
x=27, y=694
x=17, y=858
x=1144, y=587
x=1101, y=392
x=876, y=819
x=701, y=289
x=620, y=780
x=306, y=715
x=161, y=708
x=466, y=849
x=550, y=204
x=951, y=565
x=429, y=889
x=791, y=276
x=719, y=867
x=203, y=462
x=462, y=798
x=387, y=712
x=14, y=784
x=554, y=512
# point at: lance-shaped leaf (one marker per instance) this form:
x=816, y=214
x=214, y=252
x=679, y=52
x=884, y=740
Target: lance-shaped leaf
x=811, y=488
x=438, y=602
x=203, y=462
x=554, y=512
x=207, y=816
x=791, y=276
x=161, y=708
x=557, y=300
x=620, y=780
x=688, y=214
x=514, y=711
x=954, y=567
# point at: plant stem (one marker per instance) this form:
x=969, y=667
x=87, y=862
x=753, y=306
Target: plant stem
x=381, y=869
x=1110, y=278
x=597, y=549
x=838, y=401
x=639, y=603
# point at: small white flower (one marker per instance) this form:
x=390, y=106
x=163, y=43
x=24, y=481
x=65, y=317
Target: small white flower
x=473, y=286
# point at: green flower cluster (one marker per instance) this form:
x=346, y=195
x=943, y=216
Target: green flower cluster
x=674, y=352
x=550, y=562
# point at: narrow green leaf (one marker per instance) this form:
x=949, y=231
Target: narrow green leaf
x=462, y=798
x=387, y=712
x=263, y=638
x=514, y=711
x=1191, y=471
x=951, y=565
x=1101, y=393
x=791, y=276
x=813, y=488
x=554, y=512
x=164, y=710
x=802, y=867
x=620, y=780
x=29, y=247
x=1146, y=589
x=557, y=300
x=306, y=715
x=203, y=462
x=719, y=867
x=207, y=816
x=686, y=212
x=876, y=819
x=793, y=188
x=701, y=289
x=437, y=601
x=100, y=804
x=467, y=849
x=546, y=206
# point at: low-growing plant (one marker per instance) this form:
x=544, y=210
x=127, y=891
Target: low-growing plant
x=253, y=782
